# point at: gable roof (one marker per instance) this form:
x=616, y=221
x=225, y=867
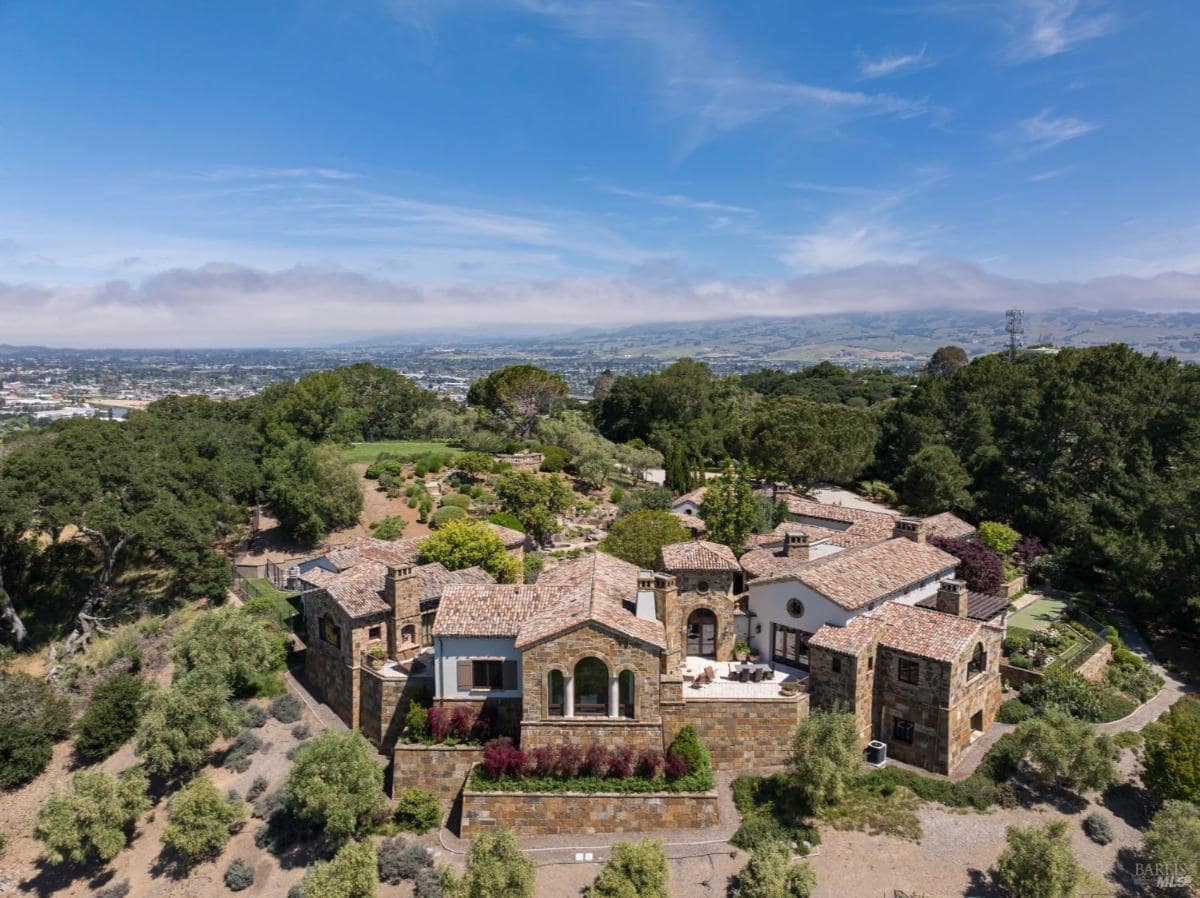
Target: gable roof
x=948, y=525
x=856, y=577
x=696, y=496
x=358, y=591
x=366, y=548
x=863, y=525
x=940, y=637
x=511, y=538
x=492, y=609
x=698, y=555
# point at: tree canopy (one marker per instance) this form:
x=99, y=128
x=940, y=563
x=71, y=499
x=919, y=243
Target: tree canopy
x=465, y=543
x=638, y=537
x=518, y=395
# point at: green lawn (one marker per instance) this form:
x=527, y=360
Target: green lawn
x=365, y=453
x=1039, y=615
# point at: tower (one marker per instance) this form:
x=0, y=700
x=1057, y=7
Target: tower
x=1015, y=326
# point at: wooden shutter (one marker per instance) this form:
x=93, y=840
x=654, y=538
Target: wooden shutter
x=464, y=675
x=510, y=675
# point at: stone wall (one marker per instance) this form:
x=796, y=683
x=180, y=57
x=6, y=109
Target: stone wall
x=576, y=813
x=718, y=598
x=1019, y=676
x=442, y=769
x=1012, y=587
x=1093, y=668
x=505, y=712
x=333, y=670
x=850, y=686
x=585, y=731
x=384, y=701
x=741, y=733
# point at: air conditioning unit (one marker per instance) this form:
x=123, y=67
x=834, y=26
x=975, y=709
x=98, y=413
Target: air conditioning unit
x=876, y=753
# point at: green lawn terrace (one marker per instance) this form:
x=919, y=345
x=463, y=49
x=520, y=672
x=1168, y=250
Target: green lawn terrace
x=365, y=453
x=1045, y=634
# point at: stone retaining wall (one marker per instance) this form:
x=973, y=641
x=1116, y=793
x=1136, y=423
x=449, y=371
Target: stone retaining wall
x=741, y=733
x=1012, y=587
x=442, y=769
x=577, y=813
x=1093, y=668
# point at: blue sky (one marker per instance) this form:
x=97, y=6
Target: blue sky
x=190, y=173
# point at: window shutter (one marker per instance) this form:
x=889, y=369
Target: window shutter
x=510, y=675
x=464, y=675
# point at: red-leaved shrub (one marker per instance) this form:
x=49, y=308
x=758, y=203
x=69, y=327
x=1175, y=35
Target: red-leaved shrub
x=461, y=722
x=543, y=760
x=497, y=757
x=649, y=763
x=595, y=762
x=570, y=759
x=676, y=766
x=439, y=724
x=620, y=762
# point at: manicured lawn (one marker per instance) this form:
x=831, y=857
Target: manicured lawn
x=1039, y=615
x=365, y=453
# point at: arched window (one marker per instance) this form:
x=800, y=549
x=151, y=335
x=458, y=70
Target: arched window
x=625, y=693
x=408, y=635
x=702, y=633
x=591, y=687
x=554, y=683
x=978, y=661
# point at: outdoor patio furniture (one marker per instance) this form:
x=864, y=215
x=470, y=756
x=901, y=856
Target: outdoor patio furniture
x=744, y=674
x=757, y=675
x=710, y=674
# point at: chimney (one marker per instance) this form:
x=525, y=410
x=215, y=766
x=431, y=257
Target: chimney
x=795, y=544
x=952, y=598
x=666, y=609
x=646, y=603
x=394, y=587
x=909, y=528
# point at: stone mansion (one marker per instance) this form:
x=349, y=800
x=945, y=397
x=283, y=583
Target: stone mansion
x=847, y=609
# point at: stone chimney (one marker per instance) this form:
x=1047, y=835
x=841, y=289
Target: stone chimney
x=909, y=528
x=400, y=593
x=666, y=609
x=952, y=598
x=795, y=544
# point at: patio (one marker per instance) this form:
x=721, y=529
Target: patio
x=725, y=685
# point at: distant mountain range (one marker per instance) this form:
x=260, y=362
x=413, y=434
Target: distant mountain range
x=896, y=338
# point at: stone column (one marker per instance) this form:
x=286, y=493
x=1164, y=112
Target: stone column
x=614, y=697
x=568, y=696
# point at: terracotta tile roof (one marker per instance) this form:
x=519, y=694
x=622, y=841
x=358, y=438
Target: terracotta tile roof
x=863, y=525
x=949, y=525
x=770, y=562
x=856, y=577
x=696, y=496
x=511, y=538
x=981, y=606
x=691, y=521
x=602, y=585
x=365, y=548
x=490, y=609
x=359, y=590
x=474, y=574
x=941, y=637
x=698, y=555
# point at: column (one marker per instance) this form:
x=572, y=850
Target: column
x=568, y=696
x=614, y=697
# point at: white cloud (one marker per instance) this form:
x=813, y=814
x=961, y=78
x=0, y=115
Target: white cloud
x=890, y=65
x=1045, y=130
x=225, y=305
x=674, y=200
x=1045, y=28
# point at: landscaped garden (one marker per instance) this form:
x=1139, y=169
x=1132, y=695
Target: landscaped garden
x=365, y=453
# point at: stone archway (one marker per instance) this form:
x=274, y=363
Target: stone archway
x=701, y=633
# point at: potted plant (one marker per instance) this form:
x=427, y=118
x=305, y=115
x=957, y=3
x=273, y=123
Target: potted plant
x=376, y=656
x=741, y=649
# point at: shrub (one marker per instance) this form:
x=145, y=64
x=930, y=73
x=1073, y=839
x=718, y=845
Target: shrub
x=257, y=788
x=462, y=720
x=399, y=861
x=688, y=746
x=675, y=767
x=569, y=761
x=1029, y=549
x=825, y=757
x=336, y=783
x=25, y=750
x=353, y=873
x=439, y=724
x=1039, y=863
x=244, y=649
x=504, y=519
x=181, y=723
x=620, y=762
x=649, y=763
x=770, y=872
x=1068, y=690
x=88, y=821
x=633, y=868
x=239, y=875
x=418, y=811
x=978, y=565
x=447, y=514
x=1068, y=751
x=1173, y=839
x=616, y=495
x=201, y=819
x=595, y=760
x=118, y=889
x=455, y=500
x=543, y=760
x=1171, y=757
x=389, y=528
x=998, y=537
x=428, y=883
x=500, y=758
x=287, y=708
x=300, y=731
x=416, y=722
x=1014, y=711
x=496, y=867
x=1097, y=829
x=254, y=716
x=111, y=717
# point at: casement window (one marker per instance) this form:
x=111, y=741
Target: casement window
x=556, y=685
x=330, y=631
x=837, y=664
x=375, y=633
x=908, y=671
x=427, y=627
x=902, y=730
x=484, y=674
x=978, y=662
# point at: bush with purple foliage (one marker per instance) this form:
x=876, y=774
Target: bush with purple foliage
x=1028, y=550
x=595, y=761
x=978, y=565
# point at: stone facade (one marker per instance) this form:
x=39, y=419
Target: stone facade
x=442, y=769
x=384, y=700
x=740, y=733
x=552, y=813
x=1093, y=668
x=847, y=682
x=711, y=590
x=562, y=653
x=335, y=644
x=505, y=712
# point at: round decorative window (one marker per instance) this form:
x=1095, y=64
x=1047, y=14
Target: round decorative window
x=702, y=586
x=795, y=608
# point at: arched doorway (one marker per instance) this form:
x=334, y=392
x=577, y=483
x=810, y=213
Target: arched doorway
x=702, y=633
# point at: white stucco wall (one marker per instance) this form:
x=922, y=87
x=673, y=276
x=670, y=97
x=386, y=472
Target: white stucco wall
x=687, y=507
x=449, y=650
